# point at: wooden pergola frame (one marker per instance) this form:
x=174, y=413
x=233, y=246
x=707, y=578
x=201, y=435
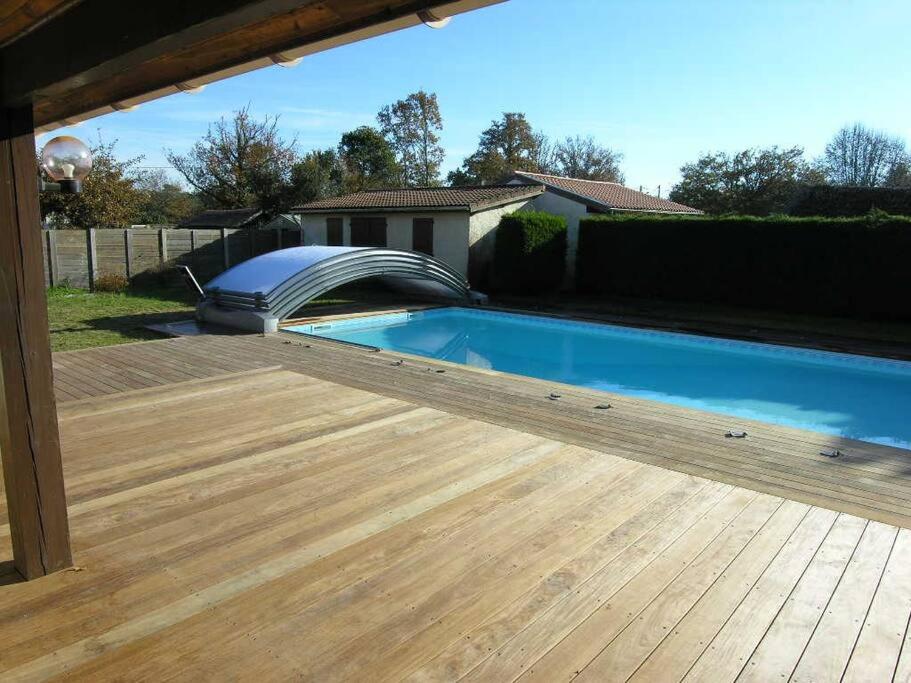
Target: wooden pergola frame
x=63, y=61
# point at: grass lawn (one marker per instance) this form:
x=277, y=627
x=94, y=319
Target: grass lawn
x=79, y=319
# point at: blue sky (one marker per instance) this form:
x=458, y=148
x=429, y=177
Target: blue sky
x=662, y=81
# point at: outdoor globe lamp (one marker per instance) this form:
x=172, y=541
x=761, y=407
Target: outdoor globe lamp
x=67, y=160
x=432, y=20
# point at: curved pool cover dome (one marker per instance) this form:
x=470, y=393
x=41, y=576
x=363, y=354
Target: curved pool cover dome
x=260, y=292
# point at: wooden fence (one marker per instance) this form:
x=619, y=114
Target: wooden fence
x=77, y=257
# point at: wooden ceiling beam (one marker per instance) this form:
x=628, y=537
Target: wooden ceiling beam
x=160, y=44
x=18, y=17
x=96, y=39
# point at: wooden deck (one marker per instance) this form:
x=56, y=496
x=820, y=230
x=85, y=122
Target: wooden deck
x=869, y=480
x=246, y=507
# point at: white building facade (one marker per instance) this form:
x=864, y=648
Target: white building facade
x=456, y=225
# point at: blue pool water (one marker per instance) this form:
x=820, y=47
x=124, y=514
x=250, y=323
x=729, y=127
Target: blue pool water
x=852, y=396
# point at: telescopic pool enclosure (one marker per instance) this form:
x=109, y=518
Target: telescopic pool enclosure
x=257, y=294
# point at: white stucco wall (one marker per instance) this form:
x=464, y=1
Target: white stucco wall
x=482, y=237
x=572, y=211
x=450, y=233
x=314, y=229
x=463, y=241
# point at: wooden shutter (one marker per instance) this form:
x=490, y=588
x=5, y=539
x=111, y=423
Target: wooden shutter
x=368, y=231
x=422, y=235
x=360, y=231
x=377, y=232
x=334, y=233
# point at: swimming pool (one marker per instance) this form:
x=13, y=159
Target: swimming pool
x=840, y=394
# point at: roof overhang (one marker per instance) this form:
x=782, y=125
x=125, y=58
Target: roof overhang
x=469, y=208
x=383, y=209
x=591, y=202
x=64, y=60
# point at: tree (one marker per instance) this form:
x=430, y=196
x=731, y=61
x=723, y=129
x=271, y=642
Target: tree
x=900, y=174
x=110, y=197
x=754, y=181
x=163, y=202
x=543, y=155
x=410, y=126
x=318, y=175
x=239, y=163
x=859, y=156
x=581, y=157
x=509, y=144
x=368, y=160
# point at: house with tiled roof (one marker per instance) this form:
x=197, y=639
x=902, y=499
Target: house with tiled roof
x=574, y=199
x=600, y=196
x=455, y=224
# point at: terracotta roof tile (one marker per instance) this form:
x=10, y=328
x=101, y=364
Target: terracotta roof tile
x=467, y=198
x=606, y=195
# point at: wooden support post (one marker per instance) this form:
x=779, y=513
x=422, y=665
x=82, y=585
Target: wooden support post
x=162, y=245
x=92, y=257
x=225, y=249
x=193, y=249
x=278, y=238
x=128, y=252
x=29, y=440
x=251, y=233
x=53, y=265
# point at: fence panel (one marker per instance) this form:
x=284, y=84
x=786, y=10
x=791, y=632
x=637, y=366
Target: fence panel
x=146, y=254
x=135, y=251
x=72, y=257
x=111, y=252
x=207, y=258
x=238, y=245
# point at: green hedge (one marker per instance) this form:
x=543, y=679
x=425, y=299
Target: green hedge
x=853, y=267
x=831, y=200
x=529, y=253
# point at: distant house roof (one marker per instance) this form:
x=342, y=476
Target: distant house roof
x=282, y=221
x=604, y=195
x=222, y=218
x=473, y=198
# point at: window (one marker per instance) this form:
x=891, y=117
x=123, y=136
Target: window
x=368, y=231
x=422, y=235
x=334, y=234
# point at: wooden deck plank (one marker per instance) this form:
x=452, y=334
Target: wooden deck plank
x=434, y=489
x=826, y=655
x=725, y=651
x=875, y=656
x=355, y=564
x=699, y=600
x=315, y=347
x=476, y=644
x=707, y=547
x=613, y=423
x=558, y=620
x=782, y=646
x=903, y=668
x=242, y=506
x=526, y=568
x=875, y=494
x=156, y=620
x=427, y=603
x=417, y=587
x=93, y=406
